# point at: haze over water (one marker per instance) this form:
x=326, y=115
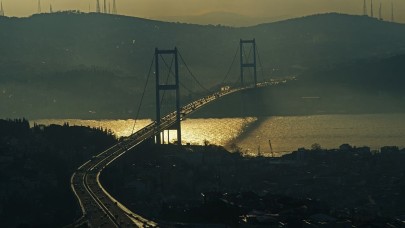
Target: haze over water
x=287, y=133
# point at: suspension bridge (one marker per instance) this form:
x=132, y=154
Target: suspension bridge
x=98, y=207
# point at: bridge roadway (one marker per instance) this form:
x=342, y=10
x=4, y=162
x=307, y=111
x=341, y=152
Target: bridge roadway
x=98, y=207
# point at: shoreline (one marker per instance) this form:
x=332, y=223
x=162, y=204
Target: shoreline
x=204, y=116
x=286, y=133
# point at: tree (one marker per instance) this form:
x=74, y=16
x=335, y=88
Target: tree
x=316, y=147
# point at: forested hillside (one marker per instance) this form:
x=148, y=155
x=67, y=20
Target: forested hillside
x=95, y=65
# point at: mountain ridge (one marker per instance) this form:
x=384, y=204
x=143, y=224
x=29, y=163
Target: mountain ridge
x=37, y=49
x=222, y=18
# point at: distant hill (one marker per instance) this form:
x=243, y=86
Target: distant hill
x=94, y=65
x=363, y=86
x=386, y=74
x=222, y=18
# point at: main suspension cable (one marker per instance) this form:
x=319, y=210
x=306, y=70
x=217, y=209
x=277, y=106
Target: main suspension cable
x=230, y=67
x=143, y=94
x=260, y=62
x=192, y=75
x=186, y=88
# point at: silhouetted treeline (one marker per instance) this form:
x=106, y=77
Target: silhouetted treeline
x=35, y=168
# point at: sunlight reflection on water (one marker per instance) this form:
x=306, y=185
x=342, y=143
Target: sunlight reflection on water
x=194, y=131
x=330, y=131
x=287, y=133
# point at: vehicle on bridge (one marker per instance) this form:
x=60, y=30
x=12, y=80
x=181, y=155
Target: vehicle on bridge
x=225, y=88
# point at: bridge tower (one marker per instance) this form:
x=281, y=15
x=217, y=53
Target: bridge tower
x=243, y=60
x=163, y=87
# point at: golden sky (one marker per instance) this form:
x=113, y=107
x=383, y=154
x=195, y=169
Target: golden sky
x=253, y=8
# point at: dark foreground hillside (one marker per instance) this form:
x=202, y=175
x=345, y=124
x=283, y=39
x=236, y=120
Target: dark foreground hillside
x=206, y=185
x=35, y=168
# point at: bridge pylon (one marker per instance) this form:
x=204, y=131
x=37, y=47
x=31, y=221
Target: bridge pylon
x=243, y=60
x=163, y=87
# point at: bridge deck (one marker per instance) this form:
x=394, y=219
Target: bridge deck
x=99, y=208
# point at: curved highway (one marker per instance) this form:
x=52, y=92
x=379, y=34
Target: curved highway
x=98, y=207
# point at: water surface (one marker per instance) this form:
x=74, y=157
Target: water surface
x=286, y=133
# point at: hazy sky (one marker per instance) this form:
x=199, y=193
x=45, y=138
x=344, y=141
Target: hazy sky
x=256, y=8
